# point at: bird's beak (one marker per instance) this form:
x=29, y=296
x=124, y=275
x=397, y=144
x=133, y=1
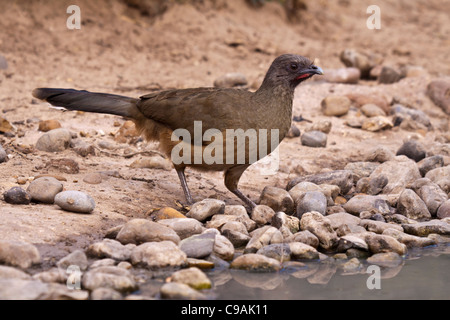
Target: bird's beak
x=309, y=72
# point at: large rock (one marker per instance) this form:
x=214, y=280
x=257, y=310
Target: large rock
x=423, y=229
x=158, y=255
x=320, y=226
x=75, y=201
x=54, y=140
x=361, y=203
x=440, y=176
x=255, y=262
x=139, y=231
x=311, y=201
x=193, y=277
x=409, y=240
x=400, y=172
x=413, y=150
x=199, y=245
x=314, y=139
x=444, y=210
x=262, y=214
x=18, y=254
x=44, y=189
x=112, y=277
x=206, y=208
x=432, y=196
x=109, y=248
x=335, y=105
x=184, y=227
x=379, y=243
x=263, y=236
x=278, y=199
x=411, y=206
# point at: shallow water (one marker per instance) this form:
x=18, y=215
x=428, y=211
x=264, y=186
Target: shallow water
x=424, y=274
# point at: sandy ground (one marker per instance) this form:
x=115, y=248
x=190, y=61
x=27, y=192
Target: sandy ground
x=120, y=51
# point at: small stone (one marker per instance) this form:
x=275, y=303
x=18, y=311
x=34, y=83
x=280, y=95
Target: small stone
x=198, y=246
x=341, y=178
x=372, y=186
x=3, y=155
x=230, y=80
x=193, y=277
x=380, y=154
x=343, y=218
x=16, y=195
x=432, y=196
x=300, y=250
x=278, y=199
x=115, y=278
x=105, y=294
x=262, y=214
x=54, y=140
x=18, y=254
x=293, y=132
x=440, y=176
x=78, y=258
x=282, y=219
x=184, y=227
x=154, y=162
x=416, y=118
x=6, y=126
x=305, y=237
x=386, y=259
x=75, y=201
x=200, y=263
x=277, y=251
x=411, y=206
x=347, y=242
x=335, y=105
x=377, y=123
x=158, y=255
x=320, y=226
x=106, y=262
x=139, y=231
x=109, y=248
x=413, y=150
x=354, y=59
x=206, y=208
x=47, y=125
x=255, y=262
x=263, y=236
x=389, y=75
x=438, y=91
x=314, y=139
x=430, y=163
x=93, y=178
x=311, y=201
x=423, y=229
x=379, y=226
x=444, y=210
x=342, y=75
x=180, y=291
x=409, y=240
x=379, y=243
x=223, y=248
x=372, y=110
x=321, y=125
x=44, y=189
x=360, y=203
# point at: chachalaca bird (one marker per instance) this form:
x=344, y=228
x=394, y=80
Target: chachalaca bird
x=166, y=116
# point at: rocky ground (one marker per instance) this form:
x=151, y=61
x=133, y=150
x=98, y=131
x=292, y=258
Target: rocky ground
x=363, y=180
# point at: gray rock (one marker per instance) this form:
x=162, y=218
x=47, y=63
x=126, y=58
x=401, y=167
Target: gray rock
x=440, y=176
x=180, y=291
x=409, y=240
x=261, y=237
x=277, y=251
x=77, y=258
x=403, y=114
x=423, y=229
x=10, y=272
x=55, y=140
x=238, y=239
x=342, y=218
x=400, y=172
x=361, y=169
x=105, y=294
x=320, y=226
x=386, y=259
x=206, y=208
x=300, y=250
x=199, y=245
x=241, y=213
x=379, y=226
x=305, y=237
x=115, y=278
x=223, y=248
x=184, y=227
x=341, y=178
x=389, y=75
x=361, y=203
x=335, y=105
x=18, y=254
x=438, y=90
x=411, y=206
x=444, y=210
x=16, y=195
x=230, y=80
x=278, y=199
x=371, y=186
x=262, y=214
x=293, y=132
x=311, y=201
x=379, y=243
x=354, y=59
x=432, y=196
x=255, y=262
x=430, y=163
x=342, y=75
x=413, y=150
x=44, y=189
x=139, y=231
x=372, y=110
x=314, y=139
x=158, y=255
x=193, y=277
x=75, y=201
x=380, y=154
x=347, y=242
x=109, y=248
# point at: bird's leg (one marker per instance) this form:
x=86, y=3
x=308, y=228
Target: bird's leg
x=232, y=176
x=187, y=193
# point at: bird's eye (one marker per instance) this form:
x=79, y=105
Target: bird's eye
x=294, y=66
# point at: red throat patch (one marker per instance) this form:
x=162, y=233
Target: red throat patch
x=303, y=76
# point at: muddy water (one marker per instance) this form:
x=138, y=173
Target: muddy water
x=424, y=274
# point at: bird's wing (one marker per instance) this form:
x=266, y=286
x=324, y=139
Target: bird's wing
x=215, y=108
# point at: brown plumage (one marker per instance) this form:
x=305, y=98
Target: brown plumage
x=158, y=116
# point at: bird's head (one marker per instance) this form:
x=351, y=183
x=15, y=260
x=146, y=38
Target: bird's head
x=291, y=70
